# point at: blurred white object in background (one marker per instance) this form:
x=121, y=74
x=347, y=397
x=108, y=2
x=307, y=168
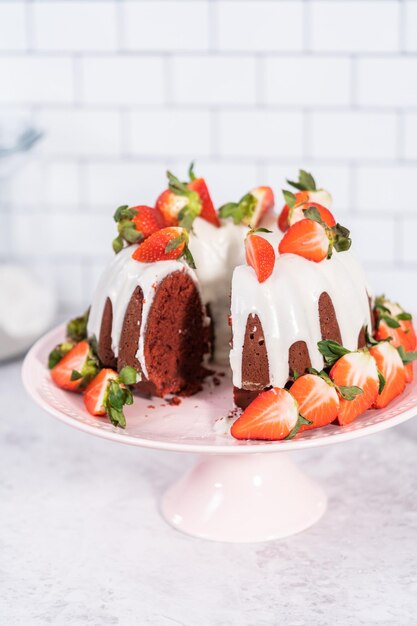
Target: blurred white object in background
x=27, y=309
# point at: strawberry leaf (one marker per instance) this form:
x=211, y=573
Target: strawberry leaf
x=349, y=392
x=176, y=242
x=120, y=212
x=382, y=381
x=300, y=421
x=305, y=182
x=189, y=257
x=406, y=357
x=331, y=350
x=77, y=327
x=116, y=398
x=117, y=244
x=289, y=198
x=404, y=316
x=75, y=375
x=59, y=352
x=176, y=186
x=191, y=173
x=239, y=211
x=312, y=213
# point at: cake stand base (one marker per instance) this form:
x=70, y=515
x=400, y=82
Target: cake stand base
x=243, y=498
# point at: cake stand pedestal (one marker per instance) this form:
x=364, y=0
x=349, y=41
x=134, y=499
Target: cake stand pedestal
x=239, y=491
x=257, y=497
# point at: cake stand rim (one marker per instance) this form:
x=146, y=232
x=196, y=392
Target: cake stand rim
x=258, y=447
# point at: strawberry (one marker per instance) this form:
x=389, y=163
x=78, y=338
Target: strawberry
x=147, y=220
x=308, y=192
x=317, y=400
x=164, y=245
x=352, y=369
x=107, y=394
x=208, y=212
x=297, y=213
x=76, y=368
x=290, y=201
x=135, y=224
x=181, y=203
x=265, y=203
x=392, y=321
x=273, y=415
x=307, y=239
x=251, y=208
x=170, y=205
x=259, y=254
x=312, y=239
x=389, y=363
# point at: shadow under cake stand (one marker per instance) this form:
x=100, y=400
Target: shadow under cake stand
x=240, y=491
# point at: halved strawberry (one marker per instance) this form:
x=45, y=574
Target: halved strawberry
x=389, y=363
x=273, y=415
x=76, y=368
x=107, y=394
x=260, y=255
x=170, y=205
x=95, y=393
x=291, y=200
x=164, y=245
x=308, y=192
x=208, y=212
x=317, y=400
x=251, y=208
x=354, y=369
x=312, y=239
x=265, y=203
x=307, y=239
x=297, y=213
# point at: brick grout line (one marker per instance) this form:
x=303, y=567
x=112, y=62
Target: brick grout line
x=125, y=121
x=77, y=78
x=327, y=54
x=168, y=83
x=212, y=26
x=307, y=39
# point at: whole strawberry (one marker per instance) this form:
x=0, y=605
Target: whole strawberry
x=167, y=244
x=135, y=224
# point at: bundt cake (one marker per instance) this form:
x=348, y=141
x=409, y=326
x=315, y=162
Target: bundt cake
x=190, y=285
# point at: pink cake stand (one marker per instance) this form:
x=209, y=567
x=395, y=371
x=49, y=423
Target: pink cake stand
x=237, y=491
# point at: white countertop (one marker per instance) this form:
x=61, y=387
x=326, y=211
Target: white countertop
x=82, y=542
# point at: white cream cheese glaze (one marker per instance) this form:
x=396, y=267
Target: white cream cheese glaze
x=287, y=306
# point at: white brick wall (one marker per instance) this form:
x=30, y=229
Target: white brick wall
x=252, y=89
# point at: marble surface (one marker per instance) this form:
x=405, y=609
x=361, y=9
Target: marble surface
x=82, y=542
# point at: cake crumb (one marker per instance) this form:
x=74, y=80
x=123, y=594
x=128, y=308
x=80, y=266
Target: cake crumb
x=151, y=406
x=174, y=401
x=216, y=381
